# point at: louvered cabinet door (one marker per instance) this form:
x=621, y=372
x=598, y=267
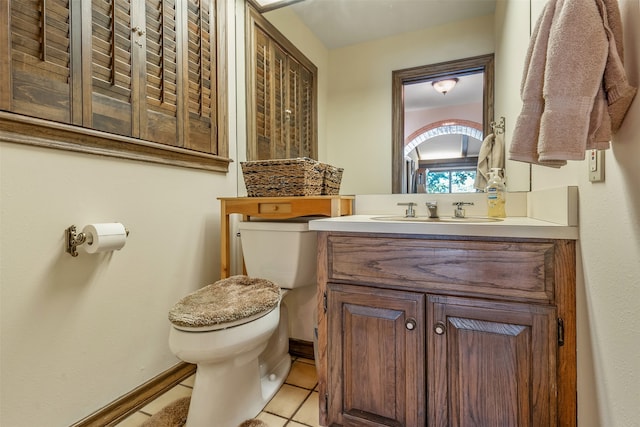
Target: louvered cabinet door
x=271, y=98
x=36, y=42
x=299, y=108
x=279, y=105
x=159, y=110
x=113, y=88
x=306, y=112
x=200, y=95
x=153, y=71
x=282, y=91
x=263, y=82
x=284, y=103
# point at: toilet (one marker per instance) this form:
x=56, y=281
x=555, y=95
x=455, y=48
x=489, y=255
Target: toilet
x=237, y=330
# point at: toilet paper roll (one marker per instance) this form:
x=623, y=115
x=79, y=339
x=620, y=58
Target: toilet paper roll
x=104, y=237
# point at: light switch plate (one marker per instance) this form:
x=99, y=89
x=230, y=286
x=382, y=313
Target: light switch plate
x=596, y=165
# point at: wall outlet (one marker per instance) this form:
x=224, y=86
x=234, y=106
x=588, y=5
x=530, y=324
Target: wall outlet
x=596, y=165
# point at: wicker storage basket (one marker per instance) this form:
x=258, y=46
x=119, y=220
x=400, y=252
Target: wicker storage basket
x=290, y=177
x=285, y=177
x=332, y=179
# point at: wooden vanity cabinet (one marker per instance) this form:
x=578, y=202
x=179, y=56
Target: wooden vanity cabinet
x=446, y=331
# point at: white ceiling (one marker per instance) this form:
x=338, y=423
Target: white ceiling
x=339, y=23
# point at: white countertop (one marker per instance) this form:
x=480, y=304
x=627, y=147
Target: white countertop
x=521, y=227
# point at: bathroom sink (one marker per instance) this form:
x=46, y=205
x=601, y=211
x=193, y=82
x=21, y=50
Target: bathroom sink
x=466, y=220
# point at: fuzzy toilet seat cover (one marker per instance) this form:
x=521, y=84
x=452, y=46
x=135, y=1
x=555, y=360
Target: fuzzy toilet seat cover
x=227, y=300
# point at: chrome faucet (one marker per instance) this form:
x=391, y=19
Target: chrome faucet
x=410, y=212
x=459, y=210
x=433, y=209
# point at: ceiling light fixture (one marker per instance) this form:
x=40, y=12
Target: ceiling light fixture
x=445, y=85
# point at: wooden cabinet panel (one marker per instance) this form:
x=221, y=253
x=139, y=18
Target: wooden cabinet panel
x=304, y=103
x=376, y=351
x=298, y=123
x=522, y=270
x=40, y=57
x=159, y=110
x=200, y=75
x=112, y=67
x=273, y=109
x=262, y=78
x=491, y=363
x=280, y=107
x=282, y=84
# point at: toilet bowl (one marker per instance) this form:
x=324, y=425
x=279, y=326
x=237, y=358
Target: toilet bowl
x=241, y=348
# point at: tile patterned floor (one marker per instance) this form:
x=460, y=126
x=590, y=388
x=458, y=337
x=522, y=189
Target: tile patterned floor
x=294, y=405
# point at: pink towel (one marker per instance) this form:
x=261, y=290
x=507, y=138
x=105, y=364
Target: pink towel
x=616, y=94
x=619, y=93
x=575, y=92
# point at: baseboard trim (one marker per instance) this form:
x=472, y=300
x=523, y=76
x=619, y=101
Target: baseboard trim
x=300, y=348
x=131, y=402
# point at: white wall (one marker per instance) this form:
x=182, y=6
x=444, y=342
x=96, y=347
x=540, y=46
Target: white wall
x=78, y=333
x=512, y=38
x=609, y=289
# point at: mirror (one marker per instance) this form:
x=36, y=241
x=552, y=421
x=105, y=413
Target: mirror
x=355, y=111
x=438, y=134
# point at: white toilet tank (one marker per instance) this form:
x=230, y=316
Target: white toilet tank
x=281, y=251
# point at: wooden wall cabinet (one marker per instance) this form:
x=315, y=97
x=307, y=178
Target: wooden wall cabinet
x=281, y=94
x=145, y=69
x=455, y=331
x=153, y=71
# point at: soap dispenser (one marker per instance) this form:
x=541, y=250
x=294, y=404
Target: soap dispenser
x=496, y=194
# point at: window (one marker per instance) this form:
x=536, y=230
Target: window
x=451, y=181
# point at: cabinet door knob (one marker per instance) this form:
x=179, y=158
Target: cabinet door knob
x=439, y=328
x=410, y=324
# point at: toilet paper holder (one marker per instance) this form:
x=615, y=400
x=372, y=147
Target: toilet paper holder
x=75, y=239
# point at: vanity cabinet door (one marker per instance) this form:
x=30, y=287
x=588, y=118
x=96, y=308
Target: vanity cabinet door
x=491, y=364
x=375, y=357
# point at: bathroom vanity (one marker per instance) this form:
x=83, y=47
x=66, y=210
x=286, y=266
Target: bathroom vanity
x=446, y=324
